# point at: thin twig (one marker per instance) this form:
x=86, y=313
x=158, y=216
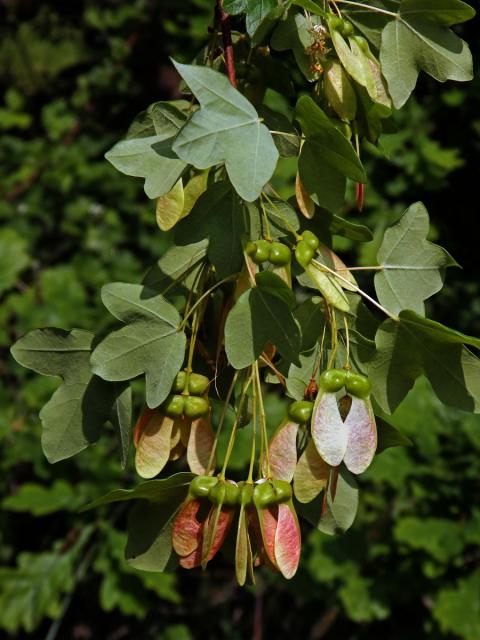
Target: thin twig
x=322, y=627
x=224, y=20
x=269, y=363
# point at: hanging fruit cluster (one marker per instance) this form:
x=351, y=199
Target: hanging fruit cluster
x=251, y=300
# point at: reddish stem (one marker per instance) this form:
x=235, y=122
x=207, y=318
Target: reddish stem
x=224, y=20
x=360, y=195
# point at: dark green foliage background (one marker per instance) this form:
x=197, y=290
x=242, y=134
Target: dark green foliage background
x=72, y=76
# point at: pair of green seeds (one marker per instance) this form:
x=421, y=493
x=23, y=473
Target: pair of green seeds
x=355, y=384
x=331, y=381
x=276, y=253
x=347, y=29
x=339, y=24
x=221, y=492
x=279, y=254
x=305, y=249
x=188, y=397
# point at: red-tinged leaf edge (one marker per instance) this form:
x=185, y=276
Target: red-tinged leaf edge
x=200, y=445
x=267, y=521
x=288, y=540
x=187, y=529
x=217, y=526
x=282, y=452
x=362, y=436
x=328, y=429
x=153, y=448
x=141, y=423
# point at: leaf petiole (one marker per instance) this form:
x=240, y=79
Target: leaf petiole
x=202, y=297
x=220, y=422
x=233, y=433
x=347, y=345
x=367, y=6
x=376, y=268
x=254, y=435
x=263, y=418
x=357, y=289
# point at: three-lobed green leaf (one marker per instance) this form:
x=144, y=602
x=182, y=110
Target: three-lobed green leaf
x=72, y=419
x=226, y=129
x=413, y=345
x=147, y=151
x=413, y=268
x=419, y=39
x=150, y=343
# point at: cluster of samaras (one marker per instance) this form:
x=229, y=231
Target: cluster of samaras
x=338, y=427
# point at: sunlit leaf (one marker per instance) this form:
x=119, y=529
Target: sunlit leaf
x=413, y=268
x=151, y=157
x=72, y=419
x=149, y=344
x=417, y=40
x=226, y=129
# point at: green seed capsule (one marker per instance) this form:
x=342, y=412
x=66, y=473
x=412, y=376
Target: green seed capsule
x=362, y=43
x=232, y=494
x=303, y=254
x=195, y=407
x=300, y=411
x=333, y=380
x=224, y=493
x=345, y=128
x=197, y=384
x=216, y=495
x=245, y=493
x=263, y=495
x=173, y=406
x=262, y=252
x=357, y=385
x=251, y=248
x=201, y=485
x=335, y=23
x=179, y=382
x=311, y=239
x=282, y=490
x=280, y=254
x=347, y=28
